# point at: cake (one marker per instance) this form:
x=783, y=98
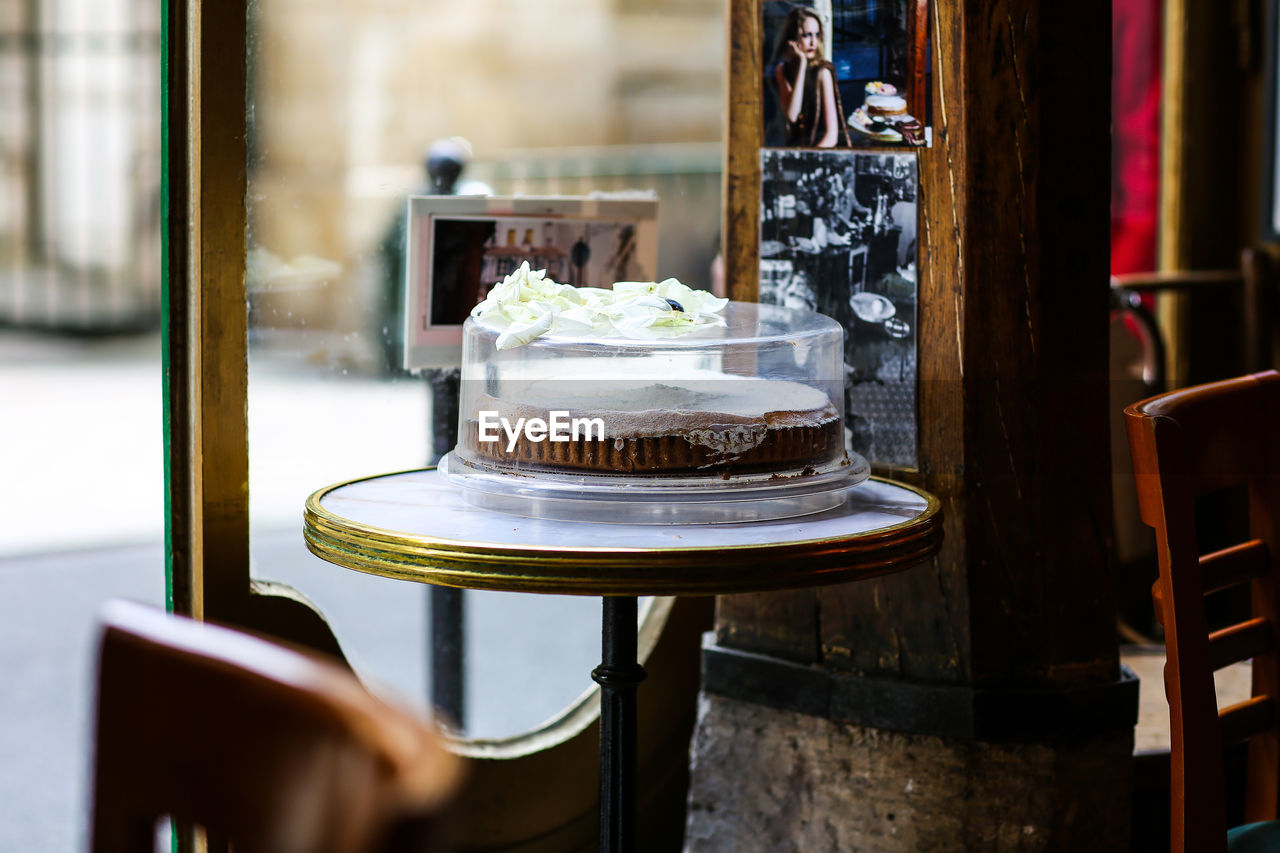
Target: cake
x=883, y=101
x=647, y=379
x=883, y=115
x=697, y=425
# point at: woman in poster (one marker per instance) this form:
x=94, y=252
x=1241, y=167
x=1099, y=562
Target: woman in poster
x=806, y=83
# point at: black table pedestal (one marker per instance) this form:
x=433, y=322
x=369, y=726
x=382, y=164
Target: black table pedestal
x=618, y=675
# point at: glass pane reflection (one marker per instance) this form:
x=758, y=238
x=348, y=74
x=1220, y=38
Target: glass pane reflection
x=552, y=97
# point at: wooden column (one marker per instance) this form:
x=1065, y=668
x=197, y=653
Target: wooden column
x=1210, y=191
x=1005, y=643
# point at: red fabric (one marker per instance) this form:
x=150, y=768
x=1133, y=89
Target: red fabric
x=1135, y=134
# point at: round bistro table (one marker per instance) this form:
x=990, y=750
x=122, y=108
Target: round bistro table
x=416, y=526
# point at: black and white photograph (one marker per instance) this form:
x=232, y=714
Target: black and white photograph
x=845, y=73
x=460, y=247
x=838, y=236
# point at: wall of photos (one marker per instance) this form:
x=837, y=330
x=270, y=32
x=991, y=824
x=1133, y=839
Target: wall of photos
x=844, y=95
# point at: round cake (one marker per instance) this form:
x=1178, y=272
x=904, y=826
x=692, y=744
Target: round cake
x=647, y=379
x=700, y=423
x=886, y=106
x=649, y=403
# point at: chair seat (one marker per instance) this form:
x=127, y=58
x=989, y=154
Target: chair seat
x=1254, y=837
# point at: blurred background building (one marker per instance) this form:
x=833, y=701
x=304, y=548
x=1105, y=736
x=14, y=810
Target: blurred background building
x=80, y=163
x=555, y=97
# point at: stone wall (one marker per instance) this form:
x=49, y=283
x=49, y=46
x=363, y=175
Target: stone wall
x=347, y=94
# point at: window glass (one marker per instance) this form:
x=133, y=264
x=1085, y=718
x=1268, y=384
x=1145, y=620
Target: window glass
x=82, y=503
x=541, y=97
x=80, y=275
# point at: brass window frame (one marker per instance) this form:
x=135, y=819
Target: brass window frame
x=204, y=333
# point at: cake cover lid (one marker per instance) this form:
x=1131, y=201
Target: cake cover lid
x=745, y=323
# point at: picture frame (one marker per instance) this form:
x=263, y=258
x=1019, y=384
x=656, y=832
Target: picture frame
x=458, y=247
x=844, y=73
x=882, y=361
x=839, y=236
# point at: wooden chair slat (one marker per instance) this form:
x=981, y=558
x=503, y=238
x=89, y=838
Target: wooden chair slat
x=1243, y=720
x=1239, y=642
x=1234, y=565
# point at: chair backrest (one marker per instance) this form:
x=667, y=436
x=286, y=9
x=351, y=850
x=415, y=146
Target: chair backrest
x=1185, y=444
x=267, y=748
x=1226, y=330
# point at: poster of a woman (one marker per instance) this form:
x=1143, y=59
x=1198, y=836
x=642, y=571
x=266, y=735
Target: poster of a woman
x=845, y=73
x=806, y=83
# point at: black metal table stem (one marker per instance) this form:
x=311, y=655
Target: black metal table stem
x=618, y=675
x=448, y=656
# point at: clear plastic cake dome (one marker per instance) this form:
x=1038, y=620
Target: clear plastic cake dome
x=735, y=414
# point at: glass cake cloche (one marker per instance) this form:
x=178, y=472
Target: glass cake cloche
x=649, y=402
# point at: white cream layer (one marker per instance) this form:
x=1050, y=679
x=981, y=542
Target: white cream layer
x=724, y=413
x=887, y=103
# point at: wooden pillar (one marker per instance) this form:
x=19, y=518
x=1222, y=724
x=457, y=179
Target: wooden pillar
x=1209, y=185
x=976, y=701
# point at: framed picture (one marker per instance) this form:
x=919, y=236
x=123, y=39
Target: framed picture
x=844, y=73
x=834, y=228
x=459, y=247
x=838, y=236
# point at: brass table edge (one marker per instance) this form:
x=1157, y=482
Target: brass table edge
x=315, y=515
x=698, y=570
x=685, y=582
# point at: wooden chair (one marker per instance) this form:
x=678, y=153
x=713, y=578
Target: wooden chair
x=1186, y=444
x=1228, y=330
x=266, y=748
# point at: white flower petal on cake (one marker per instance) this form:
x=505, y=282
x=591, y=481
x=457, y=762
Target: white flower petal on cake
x=529, y=304
x=634, y=288
x=581, y=317
x=634, y=319
x=702, y=302
x=520, y=334
x=652, y=301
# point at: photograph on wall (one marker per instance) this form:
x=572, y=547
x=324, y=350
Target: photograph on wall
x=459, y=248
x=838, y=236
x=845, y=73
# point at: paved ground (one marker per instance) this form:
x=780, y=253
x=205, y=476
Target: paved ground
x=81, y=521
